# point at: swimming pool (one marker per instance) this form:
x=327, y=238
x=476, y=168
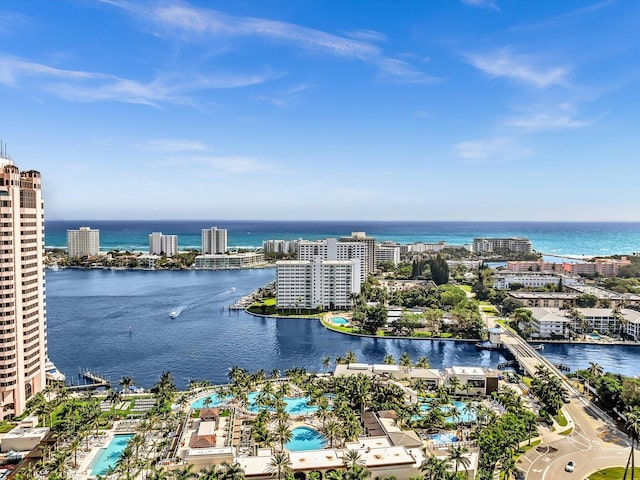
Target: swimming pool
x=294, y=406
x=443, y=437
x=305, y=438
x=465, y=415
x=108, y=457
x=216, y=401
x=339, y=320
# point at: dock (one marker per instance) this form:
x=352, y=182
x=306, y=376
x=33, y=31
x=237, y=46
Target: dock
x=91, y=379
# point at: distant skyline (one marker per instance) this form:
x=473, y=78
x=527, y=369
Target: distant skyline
x=470, y=110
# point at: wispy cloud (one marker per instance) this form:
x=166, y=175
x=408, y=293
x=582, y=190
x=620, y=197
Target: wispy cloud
x=11, y=21
x=546, y=121
x=171, y=145
x=367, y=35
x=558, y=117
x=82, y=86
x=519, y=67
x=196, y=24
x=286, y=98
x=489, y=4
x=569, y=15
x=490, y=150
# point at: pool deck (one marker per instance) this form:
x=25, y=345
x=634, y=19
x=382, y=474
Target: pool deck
x=96, y=444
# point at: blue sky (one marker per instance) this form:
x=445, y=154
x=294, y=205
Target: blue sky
x=332, y=109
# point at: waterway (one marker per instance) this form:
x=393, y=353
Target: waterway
x=117, y=323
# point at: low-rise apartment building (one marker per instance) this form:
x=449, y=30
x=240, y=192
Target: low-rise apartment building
x=229, y=262
x=504, y=279
x=555, y=322
x=495, y=245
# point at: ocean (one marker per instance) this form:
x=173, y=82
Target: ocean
x=557, y=238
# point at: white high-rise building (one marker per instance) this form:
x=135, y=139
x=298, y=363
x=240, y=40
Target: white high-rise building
x=163, y=244
x=331, y=249
x=83, y=242
x=23, y=338
x=214, y=240
x=317, y=282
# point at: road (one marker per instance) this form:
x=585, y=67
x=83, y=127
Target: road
x=593, y=444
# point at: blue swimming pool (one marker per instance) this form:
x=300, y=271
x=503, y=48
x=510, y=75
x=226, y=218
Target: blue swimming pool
x=339, y=320
x=305, y=438
x=443, y=437
x=108, y=457
x=464, y=413
x=295, y=406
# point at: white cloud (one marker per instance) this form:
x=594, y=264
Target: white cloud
x=490, y=150
x=171, y=145
x=11, y=21
x=545, y=121
x=367, y=35
x=519, y=67
x=233, y=165
x=490, y=4
x=197, y=24
x=83, y=86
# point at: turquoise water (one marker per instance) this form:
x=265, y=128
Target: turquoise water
x=108, y=457
x=305, y=438
x=465, y=416
x=443, y=437
x=295, y=406
x=339, y=320
x=601, y=238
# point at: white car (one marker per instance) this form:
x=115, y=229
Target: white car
x=570, y=466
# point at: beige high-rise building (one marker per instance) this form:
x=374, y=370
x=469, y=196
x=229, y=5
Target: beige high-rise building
x=23, y=339
x=83, y=242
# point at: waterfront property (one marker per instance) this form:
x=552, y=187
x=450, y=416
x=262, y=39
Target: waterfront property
x=22, y=306
x=83, y=242
x=223, y=261
x=557, y=323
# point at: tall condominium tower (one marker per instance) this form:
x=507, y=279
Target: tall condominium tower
x=163, y=244
x=83, y=242
x=214, y=240
x=23, y=339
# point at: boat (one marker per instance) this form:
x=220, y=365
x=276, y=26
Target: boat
x=174, y=314
x=52, y=374
x=538, y=347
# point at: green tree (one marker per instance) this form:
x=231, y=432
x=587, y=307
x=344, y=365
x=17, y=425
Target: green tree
x=439, y=270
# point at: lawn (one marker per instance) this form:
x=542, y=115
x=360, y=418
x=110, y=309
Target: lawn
x=616, y=473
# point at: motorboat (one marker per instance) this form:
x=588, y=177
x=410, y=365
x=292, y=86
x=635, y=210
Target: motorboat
x=174, y=314
x=538, y=347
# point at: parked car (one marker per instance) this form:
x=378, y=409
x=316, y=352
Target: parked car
x=569, y=467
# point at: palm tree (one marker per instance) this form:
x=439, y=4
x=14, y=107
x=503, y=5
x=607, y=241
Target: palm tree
x=326, y=361
x=280, y=465
x=454, y=384
x=350, y=357
x=126, y=382
x=283, y=434
x=185, y=473
x=457, y=455
x=230, y=471
x=389, y=359
x=423, y=362
x=352, y=459
x=633, y=426
x=405, y=360
x=434, y=468
x=508, y=464
x=209, y=473
x=332, y=430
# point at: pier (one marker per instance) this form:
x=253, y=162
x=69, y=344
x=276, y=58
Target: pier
x=92, y=380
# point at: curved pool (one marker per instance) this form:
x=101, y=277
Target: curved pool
x=305, y=438
x=339, y=320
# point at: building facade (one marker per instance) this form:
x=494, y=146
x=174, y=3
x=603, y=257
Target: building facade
x=388, y=254
x=504, y=279
x=229, y=262
x=23, y=339
x=493, y=245
x=312, y=283
x=331, y=249
x=370, y=242
x=84, y=242
x=214, y=240
x=160, y=244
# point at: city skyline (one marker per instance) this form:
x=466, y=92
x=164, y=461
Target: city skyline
x=454, y=110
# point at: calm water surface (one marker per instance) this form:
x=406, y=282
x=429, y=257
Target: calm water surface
x=117, y=323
